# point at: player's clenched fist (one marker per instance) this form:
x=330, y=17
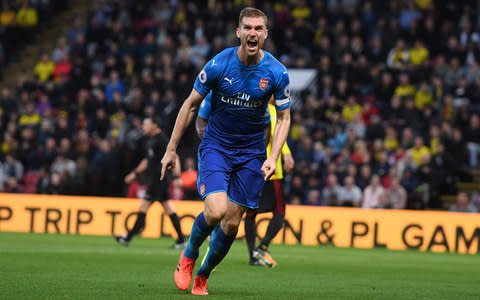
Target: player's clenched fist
x=168, y=162
x=268, y=168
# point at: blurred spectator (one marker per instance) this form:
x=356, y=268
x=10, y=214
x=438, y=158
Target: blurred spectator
x=382, y=166
x=423, y=96
x=63, y=164
x=27, y=16
x=61, y=50
x=30, y=118
x=12, y=167
x=445, y=171
x=419, y=150
x=398, y=56
x=105, y=169
x=390, y=142
x=43, y=182
x=296, y=194
x=396, y=194
x=331, y=191
x=404, y=88
x=7, y=15
x=349, y=194
x=56, y=186
x=462, y=204
x=457, y=147
x=383, y=202
x=369, y=111
x=114, y=85
x=12, y=186
x=80, y=179
x=63, y=68
x=372, y=193
x=199, y=51
x=473, y=140
x=375, y=129
x=189, y=179
x=313, y=198
x=408, y=15
x=44, y=68
x=418, y=54
x=472, y=74
x=363, y=178
x=351, y=110
x=475, y=199
x=453, y=72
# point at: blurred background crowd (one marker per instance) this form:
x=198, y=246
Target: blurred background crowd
x=393, y=121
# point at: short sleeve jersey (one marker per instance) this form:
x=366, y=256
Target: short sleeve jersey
x=240, y=95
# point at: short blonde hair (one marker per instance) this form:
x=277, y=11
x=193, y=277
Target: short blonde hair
x=251, y=12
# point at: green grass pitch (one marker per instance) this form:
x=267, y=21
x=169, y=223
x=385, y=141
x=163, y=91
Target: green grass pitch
x=37, y=266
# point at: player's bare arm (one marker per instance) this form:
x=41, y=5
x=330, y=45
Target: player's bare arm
x=200, y=125
x=279, y=136
x=177, y=170
x=142, y=166
x=184, y=118
x=288, y=163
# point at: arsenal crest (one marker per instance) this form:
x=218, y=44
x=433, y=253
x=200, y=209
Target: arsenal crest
x=263, y=83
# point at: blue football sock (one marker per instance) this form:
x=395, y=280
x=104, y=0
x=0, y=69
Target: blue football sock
x=200, y=231
x=219, y=247
x=214, y=232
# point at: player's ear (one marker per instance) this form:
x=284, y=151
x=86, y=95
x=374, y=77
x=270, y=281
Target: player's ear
x=238, y=32
x=266, y=33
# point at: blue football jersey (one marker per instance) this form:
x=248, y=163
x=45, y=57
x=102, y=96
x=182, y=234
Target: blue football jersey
x=206, y=108
x=239, y=99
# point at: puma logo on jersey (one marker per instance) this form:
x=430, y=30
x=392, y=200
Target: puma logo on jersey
x=229, y=80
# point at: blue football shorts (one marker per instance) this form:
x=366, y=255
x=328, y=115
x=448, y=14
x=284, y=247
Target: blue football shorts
x=238, y=175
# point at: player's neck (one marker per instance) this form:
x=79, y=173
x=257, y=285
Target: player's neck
x=249, y=60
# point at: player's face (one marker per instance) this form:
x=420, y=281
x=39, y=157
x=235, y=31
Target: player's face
x=252, y=34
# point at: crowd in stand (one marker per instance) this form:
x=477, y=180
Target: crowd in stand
x=20, y=20
x=394, y=121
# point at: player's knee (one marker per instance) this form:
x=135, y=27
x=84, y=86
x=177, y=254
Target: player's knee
x=230, y=226
x=212, y=216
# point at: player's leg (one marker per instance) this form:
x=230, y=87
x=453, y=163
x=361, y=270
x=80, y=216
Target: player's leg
x=212, y=236
x=213, y=177
x=219, y=246
x=169, y=210
x=244, y=189
x=139, y=223
x=275, y=224
x=215, y=209
x=205, y=222
x=251, y=235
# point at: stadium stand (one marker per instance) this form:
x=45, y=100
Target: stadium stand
x=21, y=22
x=398, y=95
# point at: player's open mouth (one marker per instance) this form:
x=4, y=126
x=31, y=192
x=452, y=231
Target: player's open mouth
x=252, y=44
